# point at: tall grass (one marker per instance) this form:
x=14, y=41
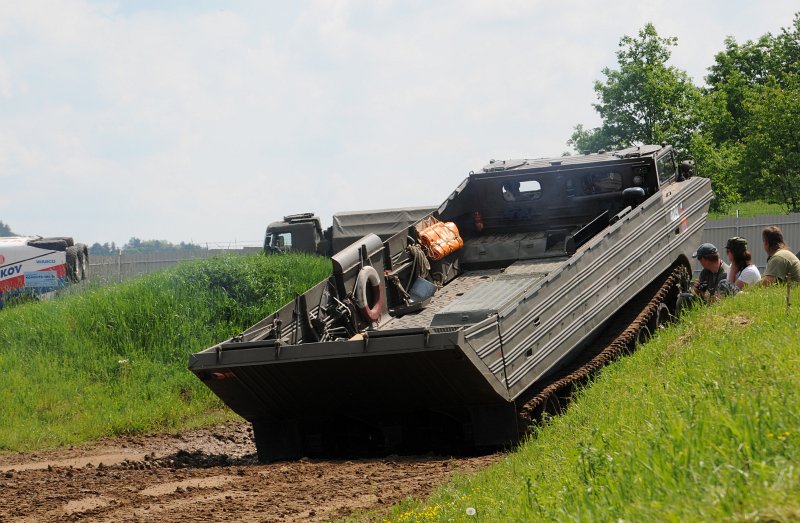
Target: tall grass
x=701, y=424
x=112, y=360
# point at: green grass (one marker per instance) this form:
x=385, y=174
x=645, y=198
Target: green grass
x=113, y=360
x=748, y=210
x=700, y=424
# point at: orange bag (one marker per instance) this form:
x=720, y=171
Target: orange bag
x=440, y=239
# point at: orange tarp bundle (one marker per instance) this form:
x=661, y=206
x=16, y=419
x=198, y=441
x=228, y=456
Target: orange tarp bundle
x=440, y=239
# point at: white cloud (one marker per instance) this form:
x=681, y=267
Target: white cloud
x=186, y=121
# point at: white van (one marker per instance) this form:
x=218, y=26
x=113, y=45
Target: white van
x=36, y=266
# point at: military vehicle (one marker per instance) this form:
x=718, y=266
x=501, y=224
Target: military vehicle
x=303, y=232
x=557, y=265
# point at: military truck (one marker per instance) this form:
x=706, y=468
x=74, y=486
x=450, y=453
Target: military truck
x=401, y=349
x=303, y=232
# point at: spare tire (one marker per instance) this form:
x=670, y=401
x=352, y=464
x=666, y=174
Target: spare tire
x=73, y=270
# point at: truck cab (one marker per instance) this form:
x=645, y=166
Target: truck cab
x=297, y=232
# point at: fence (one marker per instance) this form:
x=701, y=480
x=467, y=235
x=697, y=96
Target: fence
x=117, y=268
x=718, y=232
x=105, y=269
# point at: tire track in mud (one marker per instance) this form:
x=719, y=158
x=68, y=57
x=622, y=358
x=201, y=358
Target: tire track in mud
x=208, y=475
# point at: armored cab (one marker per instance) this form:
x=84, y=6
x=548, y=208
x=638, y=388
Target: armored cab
x=436, y=336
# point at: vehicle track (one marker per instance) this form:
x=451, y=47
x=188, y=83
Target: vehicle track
x=635, y=323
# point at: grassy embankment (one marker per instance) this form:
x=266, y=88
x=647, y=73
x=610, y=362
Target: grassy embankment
x=112, y=360
x=748, y=210
x=700, y=424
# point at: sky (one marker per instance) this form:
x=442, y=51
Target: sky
x=203, y=121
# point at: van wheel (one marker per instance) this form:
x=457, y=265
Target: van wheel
x=73, y=270
x=83, y=261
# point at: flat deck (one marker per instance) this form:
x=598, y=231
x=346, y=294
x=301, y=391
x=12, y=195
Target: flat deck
x=476, y=290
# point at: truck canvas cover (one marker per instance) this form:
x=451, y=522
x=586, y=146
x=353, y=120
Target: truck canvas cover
x=351, y=226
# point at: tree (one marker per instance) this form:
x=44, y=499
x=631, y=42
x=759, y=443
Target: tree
x=135, y=245
x=5, y=230
x=748, y=118
x=103, y=250
x=772, y=141
x=644, y=101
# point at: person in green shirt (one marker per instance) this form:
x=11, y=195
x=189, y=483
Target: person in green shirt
x=782, y=264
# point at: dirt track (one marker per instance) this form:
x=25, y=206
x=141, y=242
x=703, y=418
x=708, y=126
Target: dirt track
x=207, y=475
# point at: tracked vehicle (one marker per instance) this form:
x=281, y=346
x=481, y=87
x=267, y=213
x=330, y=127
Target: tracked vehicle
x=406, y=347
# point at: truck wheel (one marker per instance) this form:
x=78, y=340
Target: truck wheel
x=83, y=261
x=53, y=245
x=73, y=270
x=68, y=239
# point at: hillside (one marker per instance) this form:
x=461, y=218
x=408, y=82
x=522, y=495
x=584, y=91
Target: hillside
x=112, y=360
x=700, y=424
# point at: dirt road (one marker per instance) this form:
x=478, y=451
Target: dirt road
x=207, y=475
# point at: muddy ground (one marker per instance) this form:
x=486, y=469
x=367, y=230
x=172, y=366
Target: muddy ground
x=208, y=475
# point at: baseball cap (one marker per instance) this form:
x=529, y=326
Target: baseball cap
x=704, y=250
x=737, y=244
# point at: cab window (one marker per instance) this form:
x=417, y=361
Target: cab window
x=281, y=240
x=514, y=191
x=666, y=168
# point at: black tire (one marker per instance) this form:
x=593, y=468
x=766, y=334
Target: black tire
x=49, y=244
x=68, y=239
x=73, y=270
x=83, y=261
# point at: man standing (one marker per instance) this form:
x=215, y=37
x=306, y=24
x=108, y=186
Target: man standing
x=782, y=264
x=714, y=271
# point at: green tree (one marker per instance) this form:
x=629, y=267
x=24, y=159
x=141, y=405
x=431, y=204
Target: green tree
x=739, y=144
x=106, y=249
x=5, y=230
x=772, y=141
x=135, y=245
x=644, y=101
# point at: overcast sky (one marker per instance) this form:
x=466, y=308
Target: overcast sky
x=204, y=120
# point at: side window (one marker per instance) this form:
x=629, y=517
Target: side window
x=599, y=183
x=281, y=240
x=514, y=191
x=666, y=168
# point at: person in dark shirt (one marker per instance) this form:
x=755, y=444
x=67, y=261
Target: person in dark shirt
x=709, y=284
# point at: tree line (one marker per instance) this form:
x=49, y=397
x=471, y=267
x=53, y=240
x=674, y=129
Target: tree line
x=742, y=127
x=133, y=246
x=137, y=246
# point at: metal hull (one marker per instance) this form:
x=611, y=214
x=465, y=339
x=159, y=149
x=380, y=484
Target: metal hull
x=391, y=382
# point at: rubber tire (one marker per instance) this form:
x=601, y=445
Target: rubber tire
x=53, y=245
x=73, y=271
x=83, y=261
x=68, y=239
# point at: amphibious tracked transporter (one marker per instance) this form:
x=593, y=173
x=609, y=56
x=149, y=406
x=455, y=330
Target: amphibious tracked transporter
x=390, y=354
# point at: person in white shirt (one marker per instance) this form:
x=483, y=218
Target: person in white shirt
x=742, y=272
